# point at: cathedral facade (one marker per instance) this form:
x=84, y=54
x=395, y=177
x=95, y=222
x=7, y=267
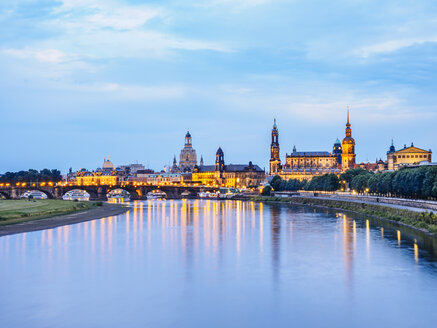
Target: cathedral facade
x=187, y=157
x=307, y=164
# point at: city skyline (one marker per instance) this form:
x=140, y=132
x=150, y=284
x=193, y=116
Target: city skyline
x=89, y=79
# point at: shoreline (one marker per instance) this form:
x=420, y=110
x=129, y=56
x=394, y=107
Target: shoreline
x=347, y=206
x=65, y=219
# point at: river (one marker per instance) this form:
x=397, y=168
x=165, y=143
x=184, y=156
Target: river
x=206, y=263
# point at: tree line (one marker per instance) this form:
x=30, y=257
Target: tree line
x=420, y=182
x=31, y=175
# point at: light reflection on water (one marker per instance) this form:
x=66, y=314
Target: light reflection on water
x=218, y=263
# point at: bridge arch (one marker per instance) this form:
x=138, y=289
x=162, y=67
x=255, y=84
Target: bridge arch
x=48, y=193
x=35, y=194
x=156, y=194
x=120, y=193
x=76, y=194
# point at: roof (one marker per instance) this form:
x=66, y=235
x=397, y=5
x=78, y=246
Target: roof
x=220, y=151
x=411, y=150
x=311, y=170
x=309, y=153
x=231, y=168
x=242, y=167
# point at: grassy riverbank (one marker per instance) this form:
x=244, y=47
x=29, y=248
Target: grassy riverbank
x=421, y=220
x=17, y=211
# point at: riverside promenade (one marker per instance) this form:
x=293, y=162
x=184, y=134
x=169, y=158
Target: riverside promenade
x=415, y=205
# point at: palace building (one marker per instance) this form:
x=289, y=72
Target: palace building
x=107, y=175
x=406, y=157
x=231, y=175
x=307, y=164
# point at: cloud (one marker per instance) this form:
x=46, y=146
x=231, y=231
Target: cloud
x=130, y=91
x=43, y=55
x=392, y=46
x=92, y=15
x=102, y=29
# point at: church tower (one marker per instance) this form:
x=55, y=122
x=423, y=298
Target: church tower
x=187, y=157
x=348, y=145
x=337, y=151
x=275, y=160
x=219, y=160
x=174, y=168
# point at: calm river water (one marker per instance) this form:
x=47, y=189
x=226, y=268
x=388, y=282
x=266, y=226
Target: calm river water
x=205, y=263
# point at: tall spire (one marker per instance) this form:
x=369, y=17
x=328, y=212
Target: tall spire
x=348, y=123
x=274, y=123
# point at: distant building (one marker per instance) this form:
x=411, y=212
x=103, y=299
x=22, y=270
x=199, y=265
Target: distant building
x=407, y=156
x=107, y=175
x=188, y=157
x=132, y=168
x=232, y=175
x=158, y=178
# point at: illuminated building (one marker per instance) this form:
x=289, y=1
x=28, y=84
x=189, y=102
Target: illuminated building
x=86, y=178
x=232, y=175
x=303, y=165
x=275, y=160
x=188, y=157
x=158, y=178
x=406, y=157
x=348, y=144
x=107, y=165
x=107, y=175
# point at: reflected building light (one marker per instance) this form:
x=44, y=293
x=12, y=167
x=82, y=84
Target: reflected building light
x=368, y=238
x=110, y=219
x=416, y=251
x=354, y=231
x=382, y=232
x=59, y=236
x=238, y=227
x=261, y=229
x=348, y=248
x=93, y=236
x=102, y=236
x=399, y=238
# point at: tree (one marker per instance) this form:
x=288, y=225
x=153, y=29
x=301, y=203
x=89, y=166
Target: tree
x=276, y=183
x=266, y=191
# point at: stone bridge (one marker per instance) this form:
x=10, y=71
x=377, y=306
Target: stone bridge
x=99, y=192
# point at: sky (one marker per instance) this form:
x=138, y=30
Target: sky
x=84, y=79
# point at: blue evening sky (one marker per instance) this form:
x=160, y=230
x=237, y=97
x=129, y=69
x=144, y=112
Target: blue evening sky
x=85, y=79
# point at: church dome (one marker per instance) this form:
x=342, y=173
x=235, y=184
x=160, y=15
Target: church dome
x=220, y=151
x=188, y=135
x=337, y=142
x=348, y=140
x=107, y=164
